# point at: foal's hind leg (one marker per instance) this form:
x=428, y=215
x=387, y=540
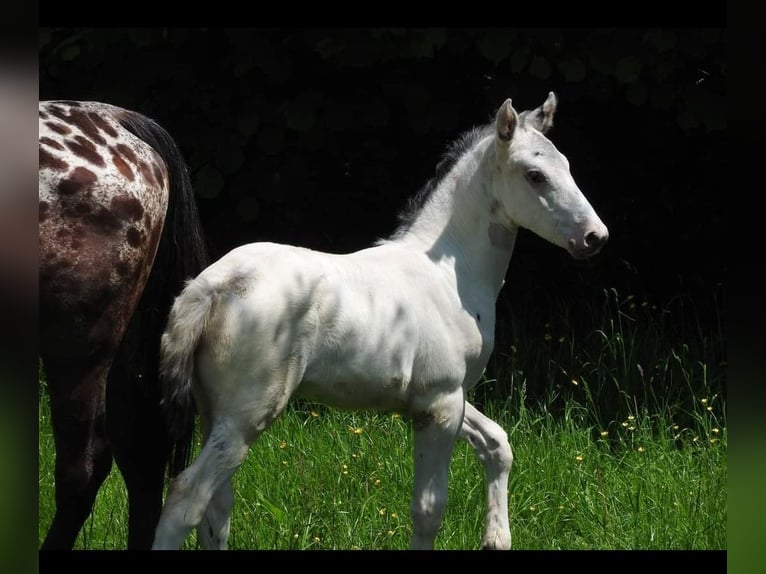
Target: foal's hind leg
x=83, y=457
x=436, y=428
x=490, y=442
x=213, y=531
x=190, y=493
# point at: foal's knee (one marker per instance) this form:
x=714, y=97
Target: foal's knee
x=500, y=449
x=182, y=503
x=427, y=514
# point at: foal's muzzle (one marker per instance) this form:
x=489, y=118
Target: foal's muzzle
x=590, y=243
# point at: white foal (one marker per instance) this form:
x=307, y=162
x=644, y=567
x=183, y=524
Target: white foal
x=406, y=325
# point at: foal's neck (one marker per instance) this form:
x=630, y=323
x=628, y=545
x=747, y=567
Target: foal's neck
x=456, y=228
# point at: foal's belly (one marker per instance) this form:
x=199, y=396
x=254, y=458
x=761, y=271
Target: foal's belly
x=398, y=367
x=391, y=395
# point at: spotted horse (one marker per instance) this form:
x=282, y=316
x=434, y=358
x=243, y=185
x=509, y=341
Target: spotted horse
x=119, y=235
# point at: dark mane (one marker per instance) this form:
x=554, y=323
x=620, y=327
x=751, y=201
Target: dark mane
x=455, y=151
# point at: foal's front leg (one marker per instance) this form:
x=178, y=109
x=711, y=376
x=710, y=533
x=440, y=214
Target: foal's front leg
x=436, y=428
x=490, y=443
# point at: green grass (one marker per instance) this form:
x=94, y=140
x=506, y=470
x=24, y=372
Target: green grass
x=608, y=457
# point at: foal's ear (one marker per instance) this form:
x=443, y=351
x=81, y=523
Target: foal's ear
x=506, y=121
x=541, y=118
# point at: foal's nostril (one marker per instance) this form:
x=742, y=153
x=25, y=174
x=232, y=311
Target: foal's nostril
x=593, y=240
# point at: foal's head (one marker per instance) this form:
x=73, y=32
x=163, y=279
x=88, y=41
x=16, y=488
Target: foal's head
x=533, y=188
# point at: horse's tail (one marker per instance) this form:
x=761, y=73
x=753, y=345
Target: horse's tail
x=181, y=255
x=186, y=324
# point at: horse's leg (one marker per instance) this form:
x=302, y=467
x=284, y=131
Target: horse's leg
x=137, y=433
x=83, y=457
x=436, y=428
x=490, y=443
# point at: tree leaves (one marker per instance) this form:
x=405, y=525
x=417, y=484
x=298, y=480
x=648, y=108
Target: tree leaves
x=301, y=113
x=627, y=69
x=495, y=44
x=572, y=69
x=661, y=40
x=208, y=182
x=540, y=68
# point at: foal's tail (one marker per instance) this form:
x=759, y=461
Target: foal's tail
x=181, y=255
x=186, y=324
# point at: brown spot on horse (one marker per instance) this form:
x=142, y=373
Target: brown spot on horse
x=128, y=153
x=81, y=179
x=135, y=237
x=43, y=211
x=86, y=125
x=127, y=207
x=121, y=165
x=50, y=161
x=122, y=268
x=105, y=126
x=146, y=173
x=59, y=128
x=57, y=111
x=86, y=150
x=83, y=208
x=103, y=222
x=51, y=143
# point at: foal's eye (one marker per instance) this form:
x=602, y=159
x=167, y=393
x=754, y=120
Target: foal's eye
x=535, y=177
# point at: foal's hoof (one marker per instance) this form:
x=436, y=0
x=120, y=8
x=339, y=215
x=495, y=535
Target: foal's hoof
x=496, y=544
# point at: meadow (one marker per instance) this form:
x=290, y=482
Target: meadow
x=616, y=413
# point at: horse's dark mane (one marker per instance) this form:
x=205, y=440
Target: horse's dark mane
x=455, y=151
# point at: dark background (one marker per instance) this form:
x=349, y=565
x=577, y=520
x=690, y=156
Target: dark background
x=317, y=137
